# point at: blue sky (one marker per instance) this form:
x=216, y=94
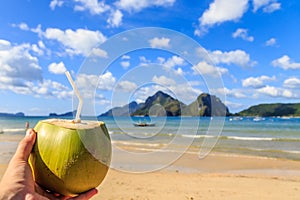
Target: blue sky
x=251, y=49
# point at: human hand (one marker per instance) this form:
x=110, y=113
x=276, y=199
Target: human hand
x=17, y=182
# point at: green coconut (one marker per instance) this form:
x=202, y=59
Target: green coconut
x=70, y=158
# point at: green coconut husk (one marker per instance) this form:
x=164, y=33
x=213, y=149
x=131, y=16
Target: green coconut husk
x=70, y=158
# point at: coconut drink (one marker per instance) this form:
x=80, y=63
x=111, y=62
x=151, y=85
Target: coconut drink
x=70, y=156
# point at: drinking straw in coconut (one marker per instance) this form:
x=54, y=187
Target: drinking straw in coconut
x=75, y=89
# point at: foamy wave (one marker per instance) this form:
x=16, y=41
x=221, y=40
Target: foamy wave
x=197, y=136
x=248, y=138
x=275, y=150
x=13, y=130
x=261, y=139
x=137, y=144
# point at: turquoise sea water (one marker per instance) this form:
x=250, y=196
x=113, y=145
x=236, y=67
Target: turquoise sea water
x=270, y=137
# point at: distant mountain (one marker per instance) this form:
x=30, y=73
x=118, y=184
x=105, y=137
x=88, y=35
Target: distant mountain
x=126, y=110
x=276, y=109
x=160, y=104
x=18, y=114
x=67, y=114
x=206, y=105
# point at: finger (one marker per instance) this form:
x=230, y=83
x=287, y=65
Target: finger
x=87, y=195
x=25, y=146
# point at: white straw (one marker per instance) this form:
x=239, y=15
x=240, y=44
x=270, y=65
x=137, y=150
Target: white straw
x=77, y=118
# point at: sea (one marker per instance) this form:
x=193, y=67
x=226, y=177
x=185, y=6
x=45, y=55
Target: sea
x=273, y=137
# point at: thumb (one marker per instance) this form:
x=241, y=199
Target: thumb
x=25, y=145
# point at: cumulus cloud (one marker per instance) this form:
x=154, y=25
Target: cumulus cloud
x=93, y=6
x=220, y=11
x=257, y=82
x=184, y=91
x=236, y=93
x=56, y=3
x=276, y=92
x=172, y=62
x=285, y=62
x=236, y=57
x=242, y=33
x=57, y=68
x=80, y=41
x=206, y=69
x=268, y=6
x=138, y=5
x=292, y=83
x=125, y=64
x=87, y=82
x=271, y=42
x=159, y=42
x=20, y=73
x=17, y=63
x=163, y=80
x=126, y=86
x=23, y=26
x=115, y=18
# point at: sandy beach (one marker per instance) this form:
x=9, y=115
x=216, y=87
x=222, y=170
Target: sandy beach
x=218, y=176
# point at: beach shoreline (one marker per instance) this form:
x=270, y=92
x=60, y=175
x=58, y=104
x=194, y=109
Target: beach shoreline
x=217, y=176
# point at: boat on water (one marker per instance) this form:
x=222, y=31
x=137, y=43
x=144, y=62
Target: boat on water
x=143, y=124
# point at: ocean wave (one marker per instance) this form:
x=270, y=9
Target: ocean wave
x=247, y=138
x=197, y=136
x=261, y=139
x=138, y=144
x=275, y=150
x=13, y=130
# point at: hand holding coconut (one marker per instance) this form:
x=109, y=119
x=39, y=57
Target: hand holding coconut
x=70, y=157
x=18, y=183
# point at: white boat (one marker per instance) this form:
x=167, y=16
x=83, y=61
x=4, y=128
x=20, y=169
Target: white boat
x=143, y=124
x=257, y=119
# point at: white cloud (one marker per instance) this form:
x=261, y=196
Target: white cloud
x=292, y=83
x=20, y=73
x=80, y=41
x=272, y=7
x=159, y=42
x=125, y=57
x=173, y=62
x=285, y=63
x=184, y=92
x=271, y=42
x=55, y=3
x=115, y=19
x=99, y=53
x=23, y=26
x=57, y=68
x=126, y=86
x=138, y=5
x=242, y=33
x=257, y=82
x=18, y=64
x=125, y=64
x=237, y=57
x=236, y=93
x=205, y=68
x=221, y=11
x=163, y=80
x=267, y=5
x=93, y=6
x=276, y=92
x=90, y=82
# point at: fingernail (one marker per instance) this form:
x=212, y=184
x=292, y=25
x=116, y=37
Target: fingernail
x=28, y=132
